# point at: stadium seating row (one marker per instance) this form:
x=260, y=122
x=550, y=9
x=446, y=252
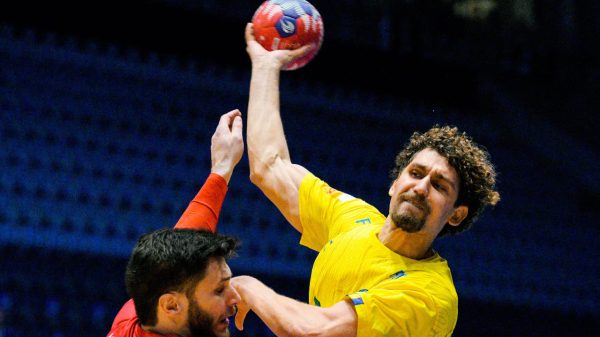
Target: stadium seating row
x=98, y=149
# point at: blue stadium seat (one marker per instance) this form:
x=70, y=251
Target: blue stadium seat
x=99, y=148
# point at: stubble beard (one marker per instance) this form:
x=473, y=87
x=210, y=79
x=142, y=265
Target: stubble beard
x=409, y=221
x=200, y=322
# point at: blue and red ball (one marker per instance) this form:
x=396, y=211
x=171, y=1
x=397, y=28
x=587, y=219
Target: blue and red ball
x=289, y=24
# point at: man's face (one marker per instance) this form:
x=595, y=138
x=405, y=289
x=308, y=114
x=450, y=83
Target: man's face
x=213, y=302
x=423, y=195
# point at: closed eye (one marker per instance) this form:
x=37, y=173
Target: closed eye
x=440, y=187
x=415, y=174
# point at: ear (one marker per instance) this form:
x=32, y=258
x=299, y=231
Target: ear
x=170, y=303
x=459, y=214
x=391, y=190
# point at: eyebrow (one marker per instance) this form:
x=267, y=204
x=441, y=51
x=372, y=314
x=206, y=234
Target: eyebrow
x=437, y=175
x=225, y=279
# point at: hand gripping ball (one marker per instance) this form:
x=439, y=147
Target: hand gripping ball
x=288, y=24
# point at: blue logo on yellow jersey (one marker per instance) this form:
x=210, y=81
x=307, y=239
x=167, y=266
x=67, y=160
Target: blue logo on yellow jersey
x=357, y=300
x=397, y=275
x=364, y=221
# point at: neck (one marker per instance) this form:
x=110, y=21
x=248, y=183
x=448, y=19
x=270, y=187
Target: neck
x=159, y=329
x=415, y=246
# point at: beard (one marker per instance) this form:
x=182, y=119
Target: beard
x=200, y=323
x=409, y=221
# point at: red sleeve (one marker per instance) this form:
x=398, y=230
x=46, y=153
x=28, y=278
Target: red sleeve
x=125, y=322
x=203, y=211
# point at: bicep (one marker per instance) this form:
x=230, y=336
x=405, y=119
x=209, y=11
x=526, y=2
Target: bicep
x=341, y=320
x=281, y=184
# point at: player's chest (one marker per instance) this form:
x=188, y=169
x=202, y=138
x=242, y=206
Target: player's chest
x=345, y=266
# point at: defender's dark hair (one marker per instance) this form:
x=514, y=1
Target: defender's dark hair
x=470, y=160
x=171, y=260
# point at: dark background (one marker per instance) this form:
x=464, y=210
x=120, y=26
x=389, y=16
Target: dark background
x=547, y=59
x=105, y=102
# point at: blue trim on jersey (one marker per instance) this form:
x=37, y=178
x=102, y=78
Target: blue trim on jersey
x=357, y=300
x=398, y=275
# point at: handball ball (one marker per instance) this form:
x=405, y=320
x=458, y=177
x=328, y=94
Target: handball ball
x=288, y=24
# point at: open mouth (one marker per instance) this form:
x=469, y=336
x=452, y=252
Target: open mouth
x=223, y=324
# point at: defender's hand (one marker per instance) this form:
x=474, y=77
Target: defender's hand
x=227, y=144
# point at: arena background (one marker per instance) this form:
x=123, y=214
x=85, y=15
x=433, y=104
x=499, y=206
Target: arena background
x=107, y=108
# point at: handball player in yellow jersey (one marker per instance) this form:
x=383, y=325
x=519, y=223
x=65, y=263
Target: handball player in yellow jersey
x=375, y=275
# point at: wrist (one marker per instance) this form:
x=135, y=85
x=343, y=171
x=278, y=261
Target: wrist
x=244, y=284
x=223, y=170
x=266, y=65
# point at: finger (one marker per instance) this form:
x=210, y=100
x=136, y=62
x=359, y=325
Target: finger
x=249, y=32
x=237, y=126
x=226, y=119
x=231, y=114
x=239, y=319
x=302, y=50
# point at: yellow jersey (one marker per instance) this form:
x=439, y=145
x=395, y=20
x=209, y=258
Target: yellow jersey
x=393, y=295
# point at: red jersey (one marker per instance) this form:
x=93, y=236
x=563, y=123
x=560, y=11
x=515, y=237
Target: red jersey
x=126, y=324
x=202, y=214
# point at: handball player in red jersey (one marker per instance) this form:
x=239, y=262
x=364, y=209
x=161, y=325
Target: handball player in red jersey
x=178, y=279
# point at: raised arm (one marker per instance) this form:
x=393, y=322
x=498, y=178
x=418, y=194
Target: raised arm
x=227, y=148
x=270, y=166
x=288, y=317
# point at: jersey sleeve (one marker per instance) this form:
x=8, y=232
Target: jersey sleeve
x=127, y=324
x=326, y=212
x=125, y=321
x=203, y=211
x=399, y=309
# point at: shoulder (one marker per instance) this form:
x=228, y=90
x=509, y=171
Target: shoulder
x=126, y=323
x=314, y=191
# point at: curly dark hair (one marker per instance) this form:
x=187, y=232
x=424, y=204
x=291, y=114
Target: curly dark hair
x=171, y=260
x=470, y=160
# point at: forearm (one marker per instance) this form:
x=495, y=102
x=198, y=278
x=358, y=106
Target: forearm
x=203, y=211
x=268, y=155
x=266, y=138
x=288, y=317
x=224, y=170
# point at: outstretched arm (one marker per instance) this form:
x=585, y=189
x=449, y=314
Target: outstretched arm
x=288, y=317
x=270, y=166
x=227, y=148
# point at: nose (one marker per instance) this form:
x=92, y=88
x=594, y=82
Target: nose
x=421, y=187
x=235, y=297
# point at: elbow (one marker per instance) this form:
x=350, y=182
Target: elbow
x=256, y=177
x=260, y=167
x=258, y=172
